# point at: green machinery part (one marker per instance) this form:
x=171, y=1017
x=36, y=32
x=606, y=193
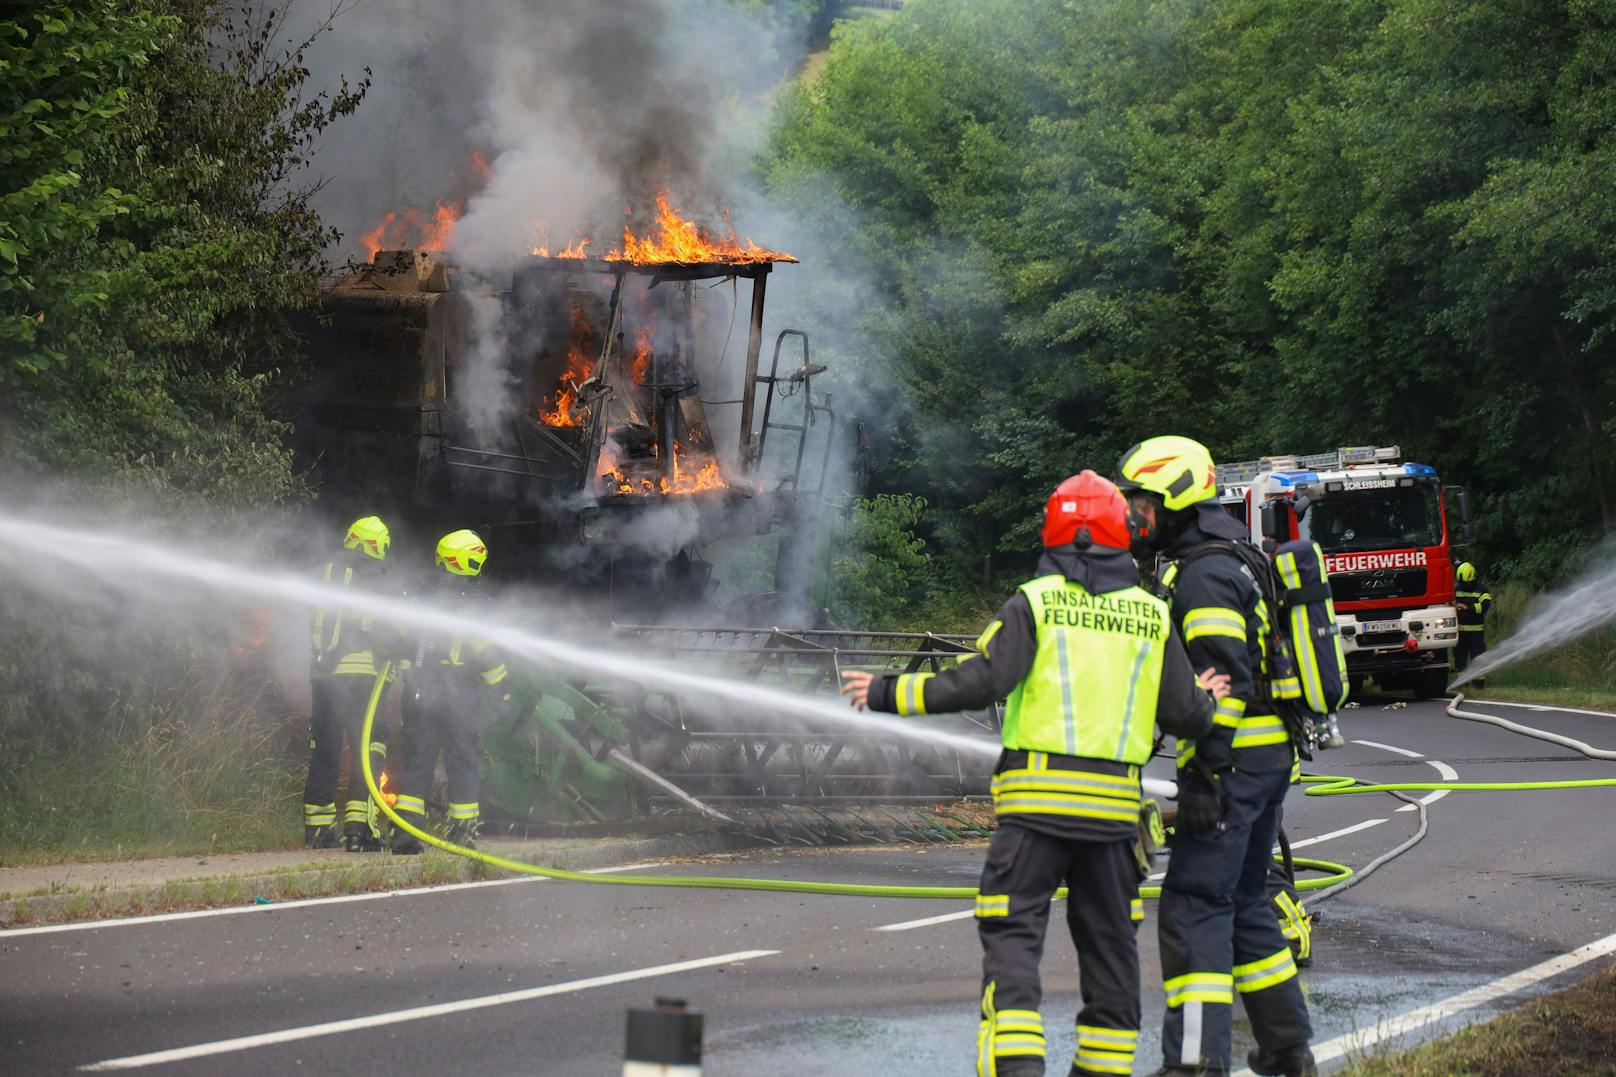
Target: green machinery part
x=545, y=754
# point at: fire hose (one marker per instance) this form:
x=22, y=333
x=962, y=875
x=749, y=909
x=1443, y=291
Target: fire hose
x=1333, y=879
x=1333, y=873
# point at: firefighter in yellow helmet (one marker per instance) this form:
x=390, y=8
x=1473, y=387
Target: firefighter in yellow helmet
x=450, y=681
x=1217, y=930
x=1090, y=664
x=1472, y=597
x=342, y=673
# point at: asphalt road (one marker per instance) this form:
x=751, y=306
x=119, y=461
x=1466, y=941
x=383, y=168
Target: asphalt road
x=419, y=983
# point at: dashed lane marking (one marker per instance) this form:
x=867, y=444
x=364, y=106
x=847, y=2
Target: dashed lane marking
x=418, y=1013
x=300, y=903
x=1390, y=748
x=909, y=925
x=1343, y=832
x=1447, y=773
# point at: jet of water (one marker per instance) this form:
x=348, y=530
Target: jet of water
x=1574, y=612
x=132, y=565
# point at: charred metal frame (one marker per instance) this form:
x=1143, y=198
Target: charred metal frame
x=811, y=661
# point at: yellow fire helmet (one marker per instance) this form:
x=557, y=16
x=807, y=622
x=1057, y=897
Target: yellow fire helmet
x=1465, y=572
x=369, y=534
x=462, y=553
x=1177, y=469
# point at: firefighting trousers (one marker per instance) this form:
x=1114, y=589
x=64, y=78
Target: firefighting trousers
x=1472, y=645
x=1023, y=869
x=1219, y=936
x=441, y=718
x=337, y=715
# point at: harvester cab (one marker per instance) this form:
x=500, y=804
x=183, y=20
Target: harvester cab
x=598, y=421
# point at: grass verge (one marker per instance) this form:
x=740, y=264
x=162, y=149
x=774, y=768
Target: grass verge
x=287, y=884
x=1559, y=695
x=205, y=766
x=1571, y=1031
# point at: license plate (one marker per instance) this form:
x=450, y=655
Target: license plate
x=1381, y=626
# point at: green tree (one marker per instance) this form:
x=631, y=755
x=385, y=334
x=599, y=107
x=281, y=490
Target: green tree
x=155, y=235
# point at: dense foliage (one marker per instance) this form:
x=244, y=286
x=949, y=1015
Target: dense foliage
x=1275, y=225
x=155, y=234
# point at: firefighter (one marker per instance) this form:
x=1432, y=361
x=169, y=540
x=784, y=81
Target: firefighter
x=1471, y=596
x=446, y=689
x=1090, y=664
x=342, y=674
x=1218, y=933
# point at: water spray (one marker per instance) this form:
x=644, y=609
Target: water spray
x=128, y=564
x=1580, y=609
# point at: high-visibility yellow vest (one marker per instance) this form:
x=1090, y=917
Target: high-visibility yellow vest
x=348, y=656
x=1094, y=681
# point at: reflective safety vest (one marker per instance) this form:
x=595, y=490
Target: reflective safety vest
x=1093, y=684
x=1473, y=619
x=1085, y=713
x=337, y=651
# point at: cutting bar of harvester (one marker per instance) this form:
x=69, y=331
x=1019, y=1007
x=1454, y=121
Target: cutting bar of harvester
x=731, y=754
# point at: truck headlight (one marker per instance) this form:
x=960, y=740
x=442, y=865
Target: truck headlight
x=1446, y=622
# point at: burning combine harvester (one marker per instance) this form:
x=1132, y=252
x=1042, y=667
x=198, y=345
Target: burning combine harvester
x=596, y=420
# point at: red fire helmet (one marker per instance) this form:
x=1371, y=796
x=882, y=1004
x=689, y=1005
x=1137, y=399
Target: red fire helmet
x=1085, y=509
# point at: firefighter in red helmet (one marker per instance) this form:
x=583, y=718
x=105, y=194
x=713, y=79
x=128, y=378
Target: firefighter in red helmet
x=1090, y=664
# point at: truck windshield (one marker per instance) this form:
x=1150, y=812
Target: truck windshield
x=1397, y=517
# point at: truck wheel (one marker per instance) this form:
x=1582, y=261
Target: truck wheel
x=1431, y=683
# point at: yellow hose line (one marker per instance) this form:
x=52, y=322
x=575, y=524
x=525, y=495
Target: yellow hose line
x=1335, y=872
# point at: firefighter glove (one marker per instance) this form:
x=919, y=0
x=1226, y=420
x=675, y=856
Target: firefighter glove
x=1200, y=804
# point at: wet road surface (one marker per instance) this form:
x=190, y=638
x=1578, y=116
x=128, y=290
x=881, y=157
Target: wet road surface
x=534, y=976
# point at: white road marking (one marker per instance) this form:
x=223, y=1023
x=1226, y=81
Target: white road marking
x=1535, y=707
x=418, y=1013
x=1468, y=1000
x=300, y=903
x=1389, y=748
x=1343, y=832
x=909, y=925
x=1446, y=773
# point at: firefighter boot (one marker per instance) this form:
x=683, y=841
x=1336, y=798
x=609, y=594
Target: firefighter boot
x=464, y=832
x=406, y=844
x=359, y=839
x=320, y=837
x=1291, y=1062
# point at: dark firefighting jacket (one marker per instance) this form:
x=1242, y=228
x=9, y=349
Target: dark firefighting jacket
x=1072, y=796
x=1223, y=620
x=456, y=660
x=345, y=641
x=1476, y=598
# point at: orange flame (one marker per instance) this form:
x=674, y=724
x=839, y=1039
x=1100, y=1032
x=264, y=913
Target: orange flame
x=575, y=249
x=409, y=230
x=580, y=362
x=681, y=242
x=640, y=365
x=705, y=479
x=381, y=783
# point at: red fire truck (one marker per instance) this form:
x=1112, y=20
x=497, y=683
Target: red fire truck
x=1384, y=527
